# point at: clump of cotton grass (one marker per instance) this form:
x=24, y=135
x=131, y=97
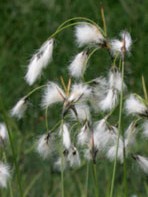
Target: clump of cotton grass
x=4, y=174
x=3, y=133
x=142, y=162
x=39, y=61
x=135, y=105
x=88, y=34
x=119, y=47
x=145, y=129
x=52, y=94
x=45, y=145
x=78, y=65
x=19, y=109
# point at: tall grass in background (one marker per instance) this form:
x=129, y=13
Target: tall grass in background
x=72, y=182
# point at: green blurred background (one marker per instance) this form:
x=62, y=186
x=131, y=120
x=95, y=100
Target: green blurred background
x=24, y=26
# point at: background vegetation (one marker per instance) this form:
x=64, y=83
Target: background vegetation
x=24, y=26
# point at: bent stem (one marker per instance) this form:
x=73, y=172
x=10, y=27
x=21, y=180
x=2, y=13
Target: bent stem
x=119, y=129
x=76, y=18
x=34, y=90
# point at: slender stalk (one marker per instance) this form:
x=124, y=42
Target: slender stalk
x=86, y=182
x=34, y=90
x=95, y=179
x=62, y=169
x=76, y=18
x=119, y=130
x=103, y=20
x=46, y=119
x=89, y=56
x=6, y=120
x=144, y=89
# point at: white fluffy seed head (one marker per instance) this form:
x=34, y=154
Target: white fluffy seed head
x=52, y=94
x=99, y=88
x=121, y=46
x=65, y=136
x=88, y=34
x=142, y=162
x=84, y=135
x=109, y=101
x=83, y=112
x=134, y=105
x=4, y=174
x=73, y=157
x=60, y=164
x=145, y=129
x=115, y=79
x=3, y=133
x=78, y=65
x=111, y=154
x=104, y=136
x=39, y=61
x=79, y=92
x=130, y=134
x=44, y=145
x=19, y=109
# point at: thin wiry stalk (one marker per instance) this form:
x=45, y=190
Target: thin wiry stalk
x=67, y=26
x=103, y=20
x=119, y=129
x=86, y=182
x=46, y=119
x=95, y=179
x=77, y=18
x=34, y=90
x=62, y=169
x=6, y=120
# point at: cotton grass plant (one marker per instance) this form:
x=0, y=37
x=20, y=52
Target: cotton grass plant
x=85, y=131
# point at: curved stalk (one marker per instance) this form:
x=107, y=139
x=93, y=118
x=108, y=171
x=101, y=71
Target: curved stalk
x=34, y=90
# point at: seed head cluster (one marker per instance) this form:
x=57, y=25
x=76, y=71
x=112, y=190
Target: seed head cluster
x=86, y=130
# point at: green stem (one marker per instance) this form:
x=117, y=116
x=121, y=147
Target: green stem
x=87, y=176
x=70, y=25
x=119, y=129
x=77, y=18
x=46, y=119
x=62, y=169
x=104, y=21
x=89, y=56
x=34, y=90
x=95, y=179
